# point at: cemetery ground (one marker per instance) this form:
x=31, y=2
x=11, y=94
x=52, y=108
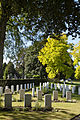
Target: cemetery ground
x=62, y=110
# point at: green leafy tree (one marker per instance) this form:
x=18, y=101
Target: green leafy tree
x=20, y=62
x=56, y=57
x=28, y=17
x=32, y=65
x=76, y=55
x=9, y=70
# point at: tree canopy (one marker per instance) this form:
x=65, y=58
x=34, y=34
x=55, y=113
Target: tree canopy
x=28, y=17
x=76, y=55
x=55, y=55
x=32, y=65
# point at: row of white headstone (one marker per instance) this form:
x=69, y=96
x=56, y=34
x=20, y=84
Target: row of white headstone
x=61, y=87
x=26, y=86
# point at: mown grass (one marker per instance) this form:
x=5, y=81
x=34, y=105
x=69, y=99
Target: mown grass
x=61, y=110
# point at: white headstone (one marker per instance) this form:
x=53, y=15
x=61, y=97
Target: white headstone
x=55, y=86
x=43, y=85
x=28, y=86
x=73, y=89
x=37, y=90
x=78, y=90
x=58, y=85
x=21, y=86
x=60, y=88
x=12, y=88
x=1, y=90
x=25, y=87
x=33, y=92
x=25, y=77
x=17, y=88
x=47, y=86
x=64, y=91
x=6, y=87
x=69, y=87
x=33, y=85
x=51, y=85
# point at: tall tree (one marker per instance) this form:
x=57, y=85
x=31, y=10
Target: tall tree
x=44, y=15
x=56, y=57
x=76, y=55
x=32, y=64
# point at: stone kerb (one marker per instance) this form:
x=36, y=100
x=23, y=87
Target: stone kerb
x=27, y=100
x=47, y=101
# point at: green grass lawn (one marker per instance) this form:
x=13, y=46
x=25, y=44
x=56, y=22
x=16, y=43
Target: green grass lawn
x=61, y=110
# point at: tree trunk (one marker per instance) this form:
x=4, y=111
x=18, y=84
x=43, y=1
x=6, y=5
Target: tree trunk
x=2, y=38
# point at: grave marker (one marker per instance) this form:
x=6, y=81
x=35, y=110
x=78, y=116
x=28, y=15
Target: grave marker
x=27, y=100
x=7, y=91
x=39, y=95
x=47, y=101
x=22, y=93
x=1, y=90
x=21, y=86
x=12, y=88
x=8, y=100
x=33, y=92
x=68, y=95
x=78, y=90
x=55, y=95
x=17, y=88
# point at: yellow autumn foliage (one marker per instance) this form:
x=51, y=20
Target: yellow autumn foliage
x=56, y=56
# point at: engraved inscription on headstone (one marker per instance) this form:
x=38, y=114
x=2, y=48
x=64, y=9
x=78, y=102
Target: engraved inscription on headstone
x=68, y=95
x=22, y=93
x=55, y=95
x=39, y=95
x=8, y=100
x=27, y=100
x=7, y=90
x=47, y=101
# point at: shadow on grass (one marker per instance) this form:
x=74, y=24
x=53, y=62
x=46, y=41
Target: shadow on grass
x=40, y=115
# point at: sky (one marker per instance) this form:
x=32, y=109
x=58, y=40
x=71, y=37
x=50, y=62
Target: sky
x=75, y=41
